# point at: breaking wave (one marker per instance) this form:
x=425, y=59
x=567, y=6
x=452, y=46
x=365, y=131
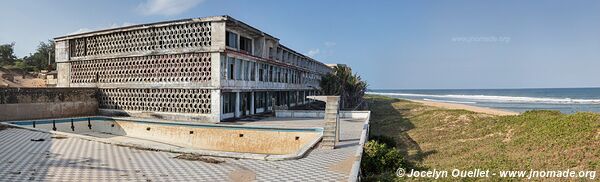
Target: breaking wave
x=451, y=101
x=497, y=98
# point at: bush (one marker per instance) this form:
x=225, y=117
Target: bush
x=389, y=141
x=379, y=158
x=20, y=65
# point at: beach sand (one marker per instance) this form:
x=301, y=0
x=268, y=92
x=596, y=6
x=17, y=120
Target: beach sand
x=486, y=110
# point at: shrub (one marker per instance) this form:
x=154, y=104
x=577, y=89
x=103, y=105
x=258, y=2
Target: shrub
x=379, y=158
x=389, y=141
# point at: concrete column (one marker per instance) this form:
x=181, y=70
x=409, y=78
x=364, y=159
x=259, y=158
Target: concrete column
x=217, y=40
x=64, y=74
x=63, y=66
x=215, y=69
x=287, y=99
x=303, y=97
x=273, y=103
x=251, y=103
x=296, y=96
x=216, y=101
x=237, y=105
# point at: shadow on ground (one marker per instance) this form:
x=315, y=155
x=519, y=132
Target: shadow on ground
x=395, y=122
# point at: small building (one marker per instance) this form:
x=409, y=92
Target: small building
x=204, y=69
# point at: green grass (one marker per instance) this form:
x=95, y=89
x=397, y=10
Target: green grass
x=431, y=137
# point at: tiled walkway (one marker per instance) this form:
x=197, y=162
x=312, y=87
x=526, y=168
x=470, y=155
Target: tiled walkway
x=74, y=159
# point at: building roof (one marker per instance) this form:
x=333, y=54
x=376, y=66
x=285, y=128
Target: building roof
x=230, y=20
x=163, y=23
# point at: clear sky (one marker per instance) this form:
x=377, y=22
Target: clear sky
x=391, y=44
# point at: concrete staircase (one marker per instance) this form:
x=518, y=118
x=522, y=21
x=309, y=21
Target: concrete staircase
x=331, y=129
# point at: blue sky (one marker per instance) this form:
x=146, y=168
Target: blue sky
x=391, y=44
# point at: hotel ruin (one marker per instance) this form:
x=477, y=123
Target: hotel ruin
x=202, y=69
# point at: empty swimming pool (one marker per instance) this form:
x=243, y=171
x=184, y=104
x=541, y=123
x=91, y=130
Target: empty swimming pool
x=210, y=139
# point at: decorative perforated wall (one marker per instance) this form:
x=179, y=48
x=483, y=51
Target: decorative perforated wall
x=190, y=67
x=196, y=101
x=191, y=35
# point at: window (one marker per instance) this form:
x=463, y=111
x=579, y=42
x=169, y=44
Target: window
x=261, y=73
x=228, y=102
x=271, y=52
x=252, y=71
x=231, y=39
x=246, y=70
x=269, y=98
x=275, y=74
x=238, y=73
x=260, y=99
x=231, y=68
x=278, y=75
x=278, y=57
x=224, y=71
x=271, y=73
x=293, y=76
x=245, y=44
x=285, y=73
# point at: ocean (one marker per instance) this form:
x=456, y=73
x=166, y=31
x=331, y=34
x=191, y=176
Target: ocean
x=565, y=100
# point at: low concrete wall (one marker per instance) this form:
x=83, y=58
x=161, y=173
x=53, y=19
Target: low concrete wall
x=222, y=139
x=318, y=114
x=38, y=103
x=355, y=172
x=201, y=118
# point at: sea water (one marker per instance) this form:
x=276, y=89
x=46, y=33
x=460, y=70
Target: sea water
x=566, y=100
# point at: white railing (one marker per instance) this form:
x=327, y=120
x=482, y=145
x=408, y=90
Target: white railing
x=318, y=114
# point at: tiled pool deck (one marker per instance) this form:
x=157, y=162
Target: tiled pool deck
x=75, y=159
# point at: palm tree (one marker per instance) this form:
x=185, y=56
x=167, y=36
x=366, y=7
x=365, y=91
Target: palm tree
x=350, y=87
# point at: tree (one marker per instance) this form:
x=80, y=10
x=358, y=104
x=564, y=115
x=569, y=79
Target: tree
x=7, y=54
x=350, y=87
x=39, y=59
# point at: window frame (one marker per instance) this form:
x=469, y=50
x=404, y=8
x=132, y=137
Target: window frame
x=248, y=42
x=228, y=40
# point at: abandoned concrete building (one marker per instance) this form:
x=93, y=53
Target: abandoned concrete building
x=209, y=69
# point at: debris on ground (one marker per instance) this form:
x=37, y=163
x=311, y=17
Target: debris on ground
x=59, y=137
x=138, y=147
x=196, y=157
x=3, y=127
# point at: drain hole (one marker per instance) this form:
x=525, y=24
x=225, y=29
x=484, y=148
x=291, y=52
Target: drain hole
x=241, y=135
x=148, y=129
x=112, y=125
x=297, y=138
x=191, y=132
